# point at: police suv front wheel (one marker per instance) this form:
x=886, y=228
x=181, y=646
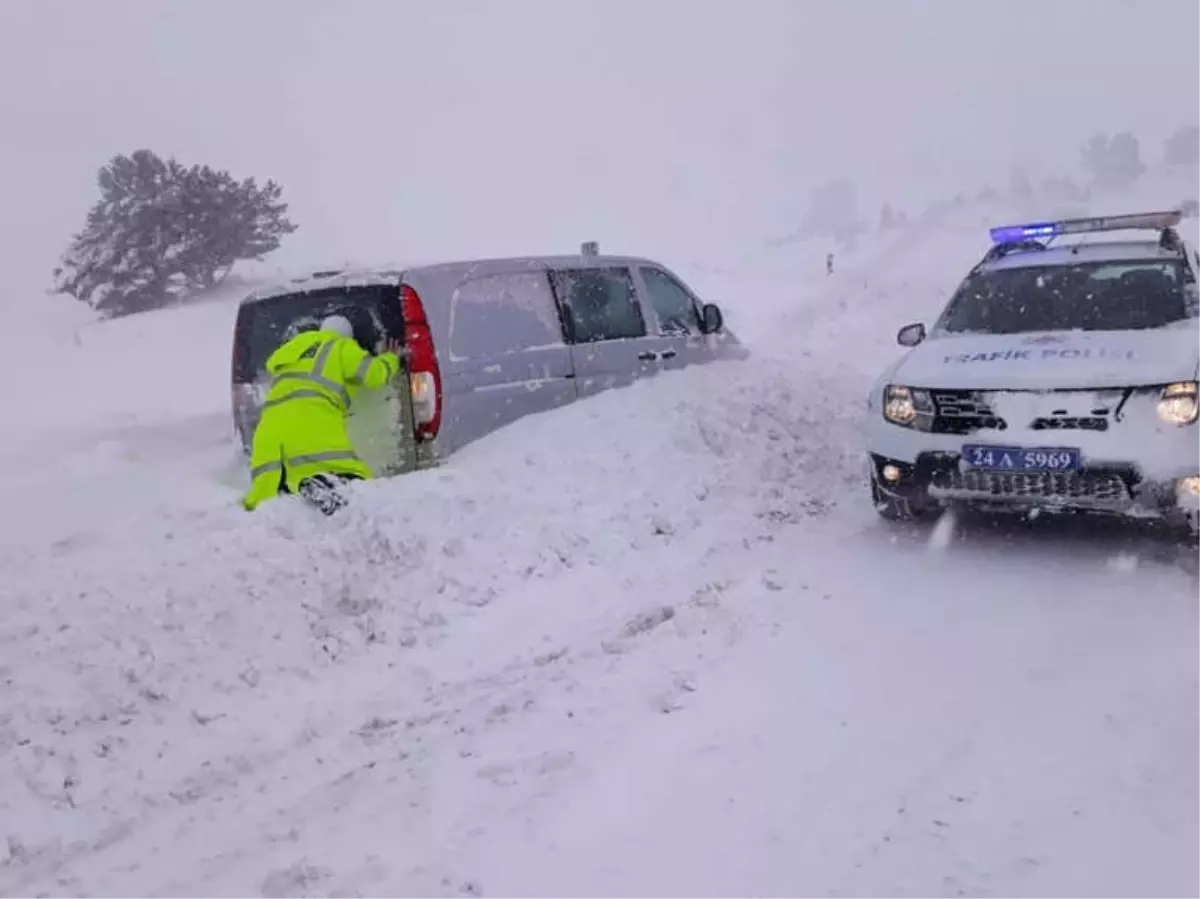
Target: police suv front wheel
x=1190, y=528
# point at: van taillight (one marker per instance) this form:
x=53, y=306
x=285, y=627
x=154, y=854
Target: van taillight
x=425, y=377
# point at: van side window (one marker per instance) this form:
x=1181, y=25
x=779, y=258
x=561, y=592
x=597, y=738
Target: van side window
x=601, y=302
x=672, y=303
x=503, y=313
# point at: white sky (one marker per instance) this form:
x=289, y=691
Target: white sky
x=404, y=129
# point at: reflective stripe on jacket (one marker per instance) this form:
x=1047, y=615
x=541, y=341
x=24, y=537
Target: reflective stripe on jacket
x=325, y=365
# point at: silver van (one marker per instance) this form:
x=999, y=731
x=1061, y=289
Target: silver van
x=487, y=341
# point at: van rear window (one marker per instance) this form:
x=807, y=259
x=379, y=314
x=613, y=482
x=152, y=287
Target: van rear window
x=263, y=325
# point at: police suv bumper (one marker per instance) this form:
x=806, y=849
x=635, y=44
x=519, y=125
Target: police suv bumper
x=937, y=478
x=928, y=470
x=940, y=479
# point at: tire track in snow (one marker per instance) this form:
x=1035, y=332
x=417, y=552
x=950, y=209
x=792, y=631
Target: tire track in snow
x=831, y=758
x=446, y=720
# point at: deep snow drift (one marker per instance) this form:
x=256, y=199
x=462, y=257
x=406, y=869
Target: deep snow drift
x=653, y=643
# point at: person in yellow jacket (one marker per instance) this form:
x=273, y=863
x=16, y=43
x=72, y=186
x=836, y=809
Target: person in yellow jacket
x=300, y=444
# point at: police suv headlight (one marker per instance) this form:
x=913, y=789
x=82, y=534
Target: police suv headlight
x=1178, y=404
x=904, y=406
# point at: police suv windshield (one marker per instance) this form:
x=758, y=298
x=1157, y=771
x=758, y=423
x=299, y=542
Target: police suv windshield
x=1130, y=295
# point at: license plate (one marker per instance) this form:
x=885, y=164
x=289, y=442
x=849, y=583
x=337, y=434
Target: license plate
x=1017, y=458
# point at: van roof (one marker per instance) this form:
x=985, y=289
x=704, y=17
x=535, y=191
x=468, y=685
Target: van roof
x=393, y=274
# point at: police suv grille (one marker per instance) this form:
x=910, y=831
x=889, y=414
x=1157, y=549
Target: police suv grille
x=1071, y=423
x=968, y=411
x=963, y=412
x=1102, y=487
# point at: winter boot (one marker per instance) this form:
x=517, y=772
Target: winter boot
x=321, y=490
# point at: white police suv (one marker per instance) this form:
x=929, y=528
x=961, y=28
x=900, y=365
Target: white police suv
x=1061, y=376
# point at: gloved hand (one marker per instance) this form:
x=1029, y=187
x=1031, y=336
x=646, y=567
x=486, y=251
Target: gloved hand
x=394, y=346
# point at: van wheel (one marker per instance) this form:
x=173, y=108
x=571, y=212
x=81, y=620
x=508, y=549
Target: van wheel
x=895, y=508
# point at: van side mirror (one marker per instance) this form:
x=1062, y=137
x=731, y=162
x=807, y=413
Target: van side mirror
x=911, y=335
x=711, y=319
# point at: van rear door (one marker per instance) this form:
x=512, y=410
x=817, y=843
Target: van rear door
x=380, y=423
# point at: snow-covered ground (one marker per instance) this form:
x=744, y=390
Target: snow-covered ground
x=686, y=662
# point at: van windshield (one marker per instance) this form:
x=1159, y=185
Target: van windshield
x=263, y=325
x=1129, y=295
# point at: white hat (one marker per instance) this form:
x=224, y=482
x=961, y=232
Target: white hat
x=339, y=324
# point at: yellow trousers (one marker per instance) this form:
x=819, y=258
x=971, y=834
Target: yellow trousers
x=295, y=440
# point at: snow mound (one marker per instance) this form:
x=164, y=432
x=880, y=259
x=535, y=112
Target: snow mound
x=186, y=627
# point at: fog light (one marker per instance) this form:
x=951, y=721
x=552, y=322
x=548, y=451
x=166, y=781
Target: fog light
x=891, y=473
x=1188, y=487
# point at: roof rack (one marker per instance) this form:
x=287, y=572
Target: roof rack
x=1138, y=221
x=1008, y=239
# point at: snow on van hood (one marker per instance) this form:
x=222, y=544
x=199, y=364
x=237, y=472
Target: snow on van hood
x=1062, y=359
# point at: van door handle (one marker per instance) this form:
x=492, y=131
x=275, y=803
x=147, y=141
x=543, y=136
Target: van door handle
x=648, y=357
x=667, y=354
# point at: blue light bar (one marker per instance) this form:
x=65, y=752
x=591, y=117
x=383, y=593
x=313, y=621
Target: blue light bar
x=1151, y=221
x=1006, y=233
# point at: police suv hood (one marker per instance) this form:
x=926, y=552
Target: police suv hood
x=1058, y=359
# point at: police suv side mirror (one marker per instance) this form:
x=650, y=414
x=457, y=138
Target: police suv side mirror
x=711, y=319
x=1191, y=298
x=911, y=335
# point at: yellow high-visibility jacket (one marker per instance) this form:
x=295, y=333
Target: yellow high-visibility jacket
x=302, y=431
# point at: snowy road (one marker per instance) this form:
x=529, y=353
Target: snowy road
x=689, y=663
